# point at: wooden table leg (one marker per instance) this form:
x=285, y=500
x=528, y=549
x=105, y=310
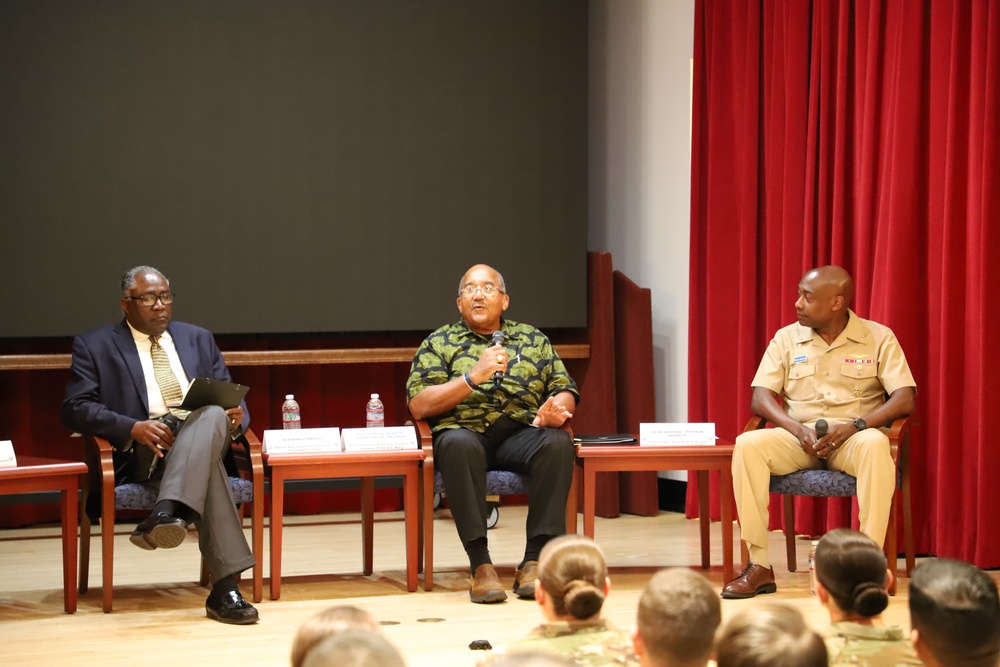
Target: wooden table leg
x=367, y=523
x=727, y=524
x=277, y=516
x=411, y=517
x=70, y=504
x=704, y=518
x=427, y=516
x=589, y=499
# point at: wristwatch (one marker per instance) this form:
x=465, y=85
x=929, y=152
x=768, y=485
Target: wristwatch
x=860, y=424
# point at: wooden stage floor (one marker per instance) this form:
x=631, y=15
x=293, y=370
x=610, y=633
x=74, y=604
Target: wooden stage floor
x=159, y=607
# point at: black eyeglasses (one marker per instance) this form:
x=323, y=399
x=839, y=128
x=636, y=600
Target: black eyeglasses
x=166, y=298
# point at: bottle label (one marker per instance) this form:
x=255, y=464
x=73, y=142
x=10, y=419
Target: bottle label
x=375, y=418
x=291, y=420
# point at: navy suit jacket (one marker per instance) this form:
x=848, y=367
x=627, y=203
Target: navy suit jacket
x=106, y=394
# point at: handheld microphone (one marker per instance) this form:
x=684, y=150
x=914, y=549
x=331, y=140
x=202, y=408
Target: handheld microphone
x=821, y=428
x=497, y=339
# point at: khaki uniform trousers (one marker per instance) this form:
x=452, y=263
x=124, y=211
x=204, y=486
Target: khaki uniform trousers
x=774, y=451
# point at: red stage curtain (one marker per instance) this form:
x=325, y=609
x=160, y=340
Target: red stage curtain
x=863, y=134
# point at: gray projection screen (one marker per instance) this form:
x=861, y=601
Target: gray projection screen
x=292, y=167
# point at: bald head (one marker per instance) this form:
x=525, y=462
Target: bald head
x=482, y=299
x=833, y=278
x=825, y=295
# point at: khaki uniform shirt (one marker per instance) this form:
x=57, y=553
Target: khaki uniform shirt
x=838, y=382
x=869, y=646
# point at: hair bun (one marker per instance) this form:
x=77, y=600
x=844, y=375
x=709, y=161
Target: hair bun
x=582, y=598
x=870, y=598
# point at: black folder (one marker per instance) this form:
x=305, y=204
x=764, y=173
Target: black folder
x=606, y=439
x=205, y=391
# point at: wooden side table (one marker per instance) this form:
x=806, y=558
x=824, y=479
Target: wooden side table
x=34, y=474
x=338, y=465
x=702, y=459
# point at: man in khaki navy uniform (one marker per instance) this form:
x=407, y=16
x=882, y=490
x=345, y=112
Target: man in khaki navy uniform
x=831, y=365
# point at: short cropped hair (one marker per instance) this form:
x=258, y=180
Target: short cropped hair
x=678, y=615
x=955, y=608
x=354, y=647
x=852, y=568
x=771, y=635
x=326, y=624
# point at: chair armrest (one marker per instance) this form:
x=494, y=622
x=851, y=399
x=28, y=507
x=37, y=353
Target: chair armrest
x=98, y=454
x=425, y=439
x=248, y=454
x=755, y=423
x=899, y=438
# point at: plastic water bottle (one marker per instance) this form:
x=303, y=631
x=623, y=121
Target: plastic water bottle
x=812, y=567
x=375, y=413
x=290, y=415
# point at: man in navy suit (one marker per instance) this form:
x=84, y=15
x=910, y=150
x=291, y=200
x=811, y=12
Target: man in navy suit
x=114, y=393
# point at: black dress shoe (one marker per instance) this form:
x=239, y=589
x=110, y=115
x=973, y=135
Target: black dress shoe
x=230, y=607
x=159, y=530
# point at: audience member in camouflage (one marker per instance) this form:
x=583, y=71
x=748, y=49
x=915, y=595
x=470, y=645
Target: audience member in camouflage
x=851, y=581
x=769, y=635
x=480, y=424
x=869, y=646
x=678, y=615
x=572, y=586
x=955, y=614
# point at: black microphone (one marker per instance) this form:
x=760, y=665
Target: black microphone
x=821, y=428
x=498, y=338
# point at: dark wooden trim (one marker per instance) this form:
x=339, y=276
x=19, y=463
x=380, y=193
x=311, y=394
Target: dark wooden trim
x=369, y=355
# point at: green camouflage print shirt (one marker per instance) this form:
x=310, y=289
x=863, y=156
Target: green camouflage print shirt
x=869, y=646
x=588, y=643
x=534, y=373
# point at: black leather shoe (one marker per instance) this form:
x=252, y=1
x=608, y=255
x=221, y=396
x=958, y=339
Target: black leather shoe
x=159, y=530
x=230, y=607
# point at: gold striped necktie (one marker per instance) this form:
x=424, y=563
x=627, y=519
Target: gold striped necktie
x=169, y=386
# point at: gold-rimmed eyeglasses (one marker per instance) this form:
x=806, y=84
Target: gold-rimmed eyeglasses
x=488, y=289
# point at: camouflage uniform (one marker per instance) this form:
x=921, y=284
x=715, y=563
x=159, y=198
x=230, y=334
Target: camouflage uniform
x=593, y=643
x=534, y=373
x=869, y=646
x=491, y=428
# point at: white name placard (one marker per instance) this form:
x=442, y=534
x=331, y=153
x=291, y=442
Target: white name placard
x=379, y=439
x=7, y=458
x=302, y=440
x=676, y=435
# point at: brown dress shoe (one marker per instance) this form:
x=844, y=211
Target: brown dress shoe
x=753, y=580
x=524, y=580
x=485, y=586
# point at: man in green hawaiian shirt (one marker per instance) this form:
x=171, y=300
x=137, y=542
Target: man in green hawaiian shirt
x=496, y=407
